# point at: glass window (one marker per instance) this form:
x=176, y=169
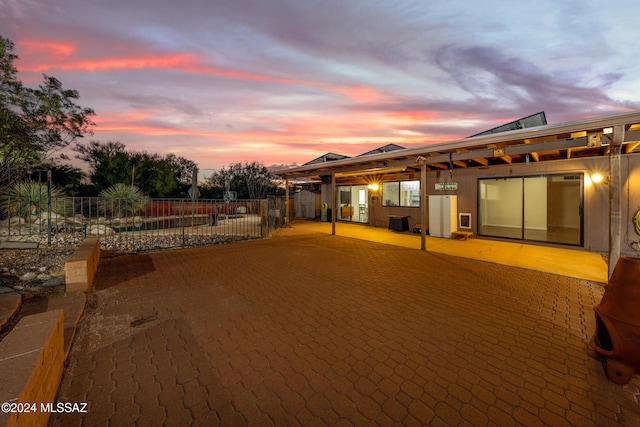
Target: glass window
x=410, y=193
x=404, y=193
x=390, y=193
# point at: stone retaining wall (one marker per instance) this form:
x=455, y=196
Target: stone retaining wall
x=81, y=267
x=31, y=362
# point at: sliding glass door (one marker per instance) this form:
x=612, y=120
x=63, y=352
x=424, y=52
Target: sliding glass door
x=542, y=208
x=500, y=211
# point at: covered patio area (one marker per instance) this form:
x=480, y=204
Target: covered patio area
x=571, y=185
x=561, y=261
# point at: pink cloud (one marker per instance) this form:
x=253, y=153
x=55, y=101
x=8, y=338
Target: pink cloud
x=45, y=55
x=419, y=116
x=360, y=93
x=52, y=48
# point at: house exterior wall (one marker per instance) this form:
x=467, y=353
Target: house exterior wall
x=596, y=196
x=630, y=166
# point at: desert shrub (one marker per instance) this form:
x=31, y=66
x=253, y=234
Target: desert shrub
x=123, y=200
x=30, y=198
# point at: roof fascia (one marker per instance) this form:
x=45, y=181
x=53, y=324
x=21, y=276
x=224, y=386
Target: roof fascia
x=514, y=137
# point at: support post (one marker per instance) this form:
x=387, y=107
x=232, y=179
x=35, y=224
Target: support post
x=333, y=204
x=615, y=226
x=286, y=202
x=49, y=207
x=423, y=206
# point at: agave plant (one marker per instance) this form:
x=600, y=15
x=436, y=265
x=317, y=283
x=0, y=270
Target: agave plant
x=30, y=198
x=123, y=200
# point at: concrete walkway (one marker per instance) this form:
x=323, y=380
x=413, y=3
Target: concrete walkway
x=565, y=262
x=306, y=328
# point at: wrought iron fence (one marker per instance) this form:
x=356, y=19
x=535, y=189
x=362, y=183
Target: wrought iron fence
x=134, y=225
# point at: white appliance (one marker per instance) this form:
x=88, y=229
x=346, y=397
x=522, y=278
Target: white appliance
x=443, y=216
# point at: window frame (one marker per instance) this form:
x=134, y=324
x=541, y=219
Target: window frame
x=397, y=200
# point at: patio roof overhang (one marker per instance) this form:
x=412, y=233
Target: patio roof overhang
x=614, y=136
x=583, y=138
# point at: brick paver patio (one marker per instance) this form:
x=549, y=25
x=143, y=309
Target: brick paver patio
x=324, y=330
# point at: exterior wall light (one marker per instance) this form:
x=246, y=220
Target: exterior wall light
x=597, y=178
x=374, y=187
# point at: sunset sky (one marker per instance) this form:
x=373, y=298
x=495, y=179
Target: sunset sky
x=285, y=81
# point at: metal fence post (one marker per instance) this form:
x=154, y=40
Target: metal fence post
x=182, y=208
x=49, y=207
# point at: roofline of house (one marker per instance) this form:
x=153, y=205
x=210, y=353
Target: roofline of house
x=584, y=125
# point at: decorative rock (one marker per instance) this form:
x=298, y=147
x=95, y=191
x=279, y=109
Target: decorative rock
x=28, y=276
x=100, y=230
x=56, y=281
x=43, y=277
x=5, y=289
x=43, y=219
x=74, y=222
x=6, y=280
x=57, y=273
x=13, y=221
x=45, y=216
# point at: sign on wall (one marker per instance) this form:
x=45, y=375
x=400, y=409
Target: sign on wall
x=444, y=186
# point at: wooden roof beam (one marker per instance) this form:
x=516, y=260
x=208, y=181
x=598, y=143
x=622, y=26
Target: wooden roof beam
x=629, y=147
x=439, y=166
x=460, y=163
x=499, y=152
x=541, y=139
x=481, y=160
x=534, y=154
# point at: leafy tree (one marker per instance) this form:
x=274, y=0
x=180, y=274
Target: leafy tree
x=109, y=162
x=66, y=177
x=34, y=123
x=156, y=175
x=183, y=172
x=249, y=180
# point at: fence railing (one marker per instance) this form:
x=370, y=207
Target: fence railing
x=134, y=225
